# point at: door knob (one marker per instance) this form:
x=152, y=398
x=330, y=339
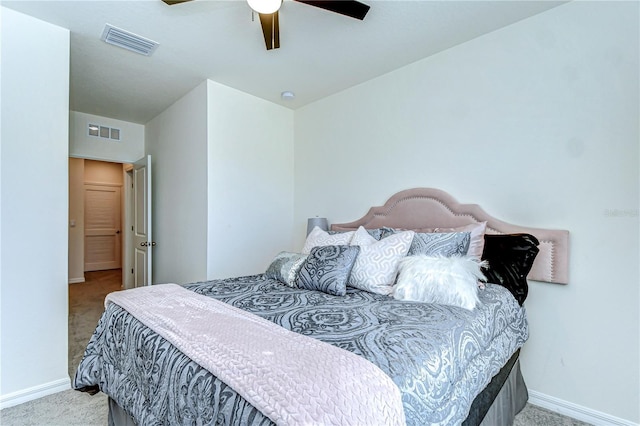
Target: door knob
x=118, y=231
x=144, y=244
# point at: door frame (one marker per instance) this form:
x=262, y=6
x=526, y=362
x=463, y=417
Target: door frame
x=125, y=219
x=127, y=227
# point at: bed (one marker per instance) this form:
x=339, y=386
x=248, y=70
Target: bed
x=449, y=364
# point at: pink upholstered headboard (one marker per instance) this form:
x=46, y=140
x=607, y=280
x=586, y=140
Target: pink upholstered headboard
x=430, y=208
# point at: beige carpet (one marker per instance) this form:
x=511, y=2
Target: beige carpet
x=77, y=408
x=61, y=409
x=86, y=304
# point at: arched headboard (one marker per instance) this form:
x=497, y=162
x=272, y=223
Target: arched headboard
x=433, y=208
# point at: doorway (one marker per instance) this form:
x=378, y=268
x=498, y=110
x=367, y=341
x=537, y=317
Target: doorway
x=99, y=207
x=110, y=219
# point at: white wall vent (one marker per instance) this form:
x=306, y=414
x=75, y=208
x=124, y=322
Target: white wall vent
x=127, y=40
x=104, y=132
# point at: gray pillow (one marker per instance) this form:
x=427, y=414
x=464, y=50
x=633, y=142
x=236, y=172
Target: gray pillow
x=440, y=244
x=285, y=267
x=328, y=268
x=377, y=233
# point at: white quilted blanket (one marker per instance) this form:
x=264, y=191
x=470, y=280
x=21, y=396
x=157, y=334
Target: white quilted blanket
x=293, y=379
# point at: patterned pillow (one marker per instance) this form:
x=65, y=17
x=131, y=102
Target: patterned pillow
x=476, y=243
x=510, y=259
x=438, y=279
x=328, y=268
x=285, y=267
x=377, y=233
x=440, y=244
x=318, y=237
x=377, y=265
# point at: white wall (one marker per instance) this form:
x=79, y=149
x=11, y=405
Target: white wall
x=250, y=179
x=538, y=123
x=177, y=142
x=35, y=137
x=129, y=149
x=222, y=184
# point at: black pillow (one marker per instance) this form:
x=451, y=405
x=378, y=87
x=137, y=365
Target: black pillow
x=510, y=259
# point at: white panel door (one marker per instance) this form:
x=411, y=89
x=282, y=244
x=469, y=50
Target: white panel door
x=142, y=242
x=101, y=227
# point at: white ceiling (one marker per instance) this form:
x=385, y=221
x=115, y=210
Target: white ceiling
x=321, y=52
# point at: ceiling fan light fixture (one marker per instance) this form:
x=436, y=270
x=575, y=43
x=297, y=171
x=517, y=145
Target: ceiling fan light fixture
x=265, y=7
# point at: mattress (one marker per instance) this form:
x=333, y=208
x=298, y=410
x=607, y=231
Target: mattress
x=440, y=357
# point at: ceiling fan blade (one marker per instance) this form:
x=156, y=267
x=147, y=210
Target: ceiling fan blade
x=270, y=30
x=172, y=2
x=351, y=8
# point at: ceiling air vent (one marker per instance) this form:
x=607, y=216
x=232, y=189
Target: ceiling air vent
x=126, y=40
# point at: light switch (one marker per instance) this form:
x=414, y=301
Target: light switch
x=72, y=223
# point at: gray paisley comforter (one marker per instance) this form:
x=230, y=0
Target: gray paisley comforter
x=440, y=357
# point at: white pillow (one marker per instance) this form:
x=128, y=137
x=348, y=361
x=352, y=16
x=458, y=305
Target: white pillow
x=446, y=280
x=376, y=266
x=318, y=237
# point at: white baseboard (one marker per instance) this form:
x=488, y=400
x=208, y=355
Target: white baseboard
x=76, y=280
x=29, y=394
x=576, y=411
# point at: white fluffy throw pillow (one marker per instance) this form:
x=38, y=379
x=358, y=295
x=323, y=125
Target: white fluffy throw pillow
x=445, y=280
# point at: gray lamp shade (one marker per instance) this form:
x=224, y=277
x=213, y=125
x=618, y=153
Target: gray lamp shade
x=320, y=222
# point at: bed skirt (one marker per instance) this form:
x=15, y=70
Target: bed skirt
x=504, y=397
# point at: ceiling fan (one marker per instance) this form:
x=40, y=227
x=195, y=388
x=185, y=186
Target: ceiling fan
x=268, y=12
